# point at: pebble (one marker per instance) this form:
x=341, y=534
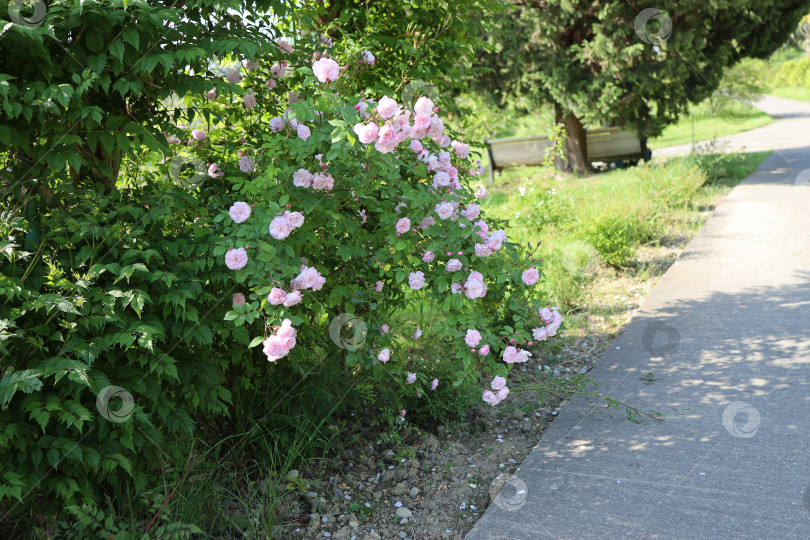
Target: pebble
x=404, y=513
x=462, y=506
x=413, y=492
x=327, y=535
x=402, y=534
x=324, y=519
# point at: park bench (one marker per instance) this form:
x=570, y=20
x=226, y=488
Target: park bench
x=605, y=145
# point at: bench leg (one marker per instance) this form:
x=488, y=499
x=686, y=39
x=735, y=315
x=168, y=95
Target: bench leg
x=491, y=168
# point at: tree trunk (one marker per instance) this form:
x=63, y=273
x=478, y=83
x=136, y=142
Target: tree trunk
x=576, y=144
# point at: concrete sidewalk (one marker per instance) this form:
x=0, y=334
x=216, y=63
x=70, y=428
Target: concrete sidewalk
x=726, y=333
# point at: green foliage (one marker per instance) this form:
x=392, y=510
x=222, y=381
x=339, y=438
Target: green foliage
x=87, y=89
x=614, y=237
x=121, y=291
x=587, y=59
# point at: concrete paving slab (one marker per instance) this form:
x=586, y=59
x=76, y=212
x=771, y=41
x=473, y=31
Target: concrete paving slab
x=726, y=333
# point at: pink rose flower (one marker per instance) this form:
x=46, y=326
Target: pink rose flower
x=475, y=287
x=497, y=239
x=239, y=212
x=199, y=135
x=416, y=146
x=510, y=355
x=502, y=393
x=453, y=265
x=483, y=351
x=436, y=126
x=276, y=296
x=455, y=288
x=384, y=329
x=472, y=212
x=421, y=122
x=411, y=378
x=326, y=70
x=462, y=149
x=214, y=171
x=540, y=334
x=445, y=210
x=296, y=218
x=417, y=334
x=211, y=95
x=403, y=225
x=292, y=299
x=483, y=229
x=284, y=46
x=238, y=299
x=280, y=227
x=367, y=133
x=424, y=105
x=302, y=178
x=441, y=179
x=379, y=286
x=384, y=356
x=445, y=142
x=280, y=344
x=367, y=57
x=236, y=259
x=309, y=278
x=270, y=83
x=434, y=384
x=498, y=383
x=323, y=181
x=416, y=280
x=530, y=276
x=427, y=222
x=249, y=100
x=428, y=256
x=387, y=135
x=303, y=132
x=489, y=397
x=482, y=250
x=232, y=75
x=473, y=338
x=276, y=124
x=246, y=164
x=387, y=107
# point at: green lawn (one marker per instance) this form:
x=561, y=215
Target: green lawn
x=728, y=120
x=588, y=226
x=792, y=92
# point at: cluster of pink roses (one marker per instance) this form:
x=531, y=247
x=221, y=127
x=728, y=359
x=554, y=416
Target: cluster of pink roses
x=283, y=225
x=396, y=126
x=279, y=345
x=305, y=179
x=552, y=318
x=280, y=297
x=309, y=278
x=500, y=391
x=512, y=355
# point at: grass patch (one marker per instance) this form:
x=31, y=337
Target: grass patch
x=592, y=227
x=726, y=119
x=800, y=93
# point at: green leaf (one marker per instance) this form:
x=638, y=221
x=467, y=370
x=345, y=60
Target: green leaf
x=26, y=381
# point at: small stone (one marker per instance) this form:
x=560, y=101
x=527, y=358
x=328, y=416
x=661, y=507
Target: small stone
x=402, y=535
x=413, y=492
x=325, y=519
x=327, y=535
x=403, y=521
x=403, y=512
x=292, y=474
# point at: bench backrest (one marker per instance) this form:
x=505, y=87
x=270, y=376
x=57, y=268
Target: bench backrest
x=603, y=145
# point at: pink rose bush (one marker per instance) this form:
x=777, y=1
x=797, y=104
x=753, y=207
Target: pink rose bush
x=388, y=219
